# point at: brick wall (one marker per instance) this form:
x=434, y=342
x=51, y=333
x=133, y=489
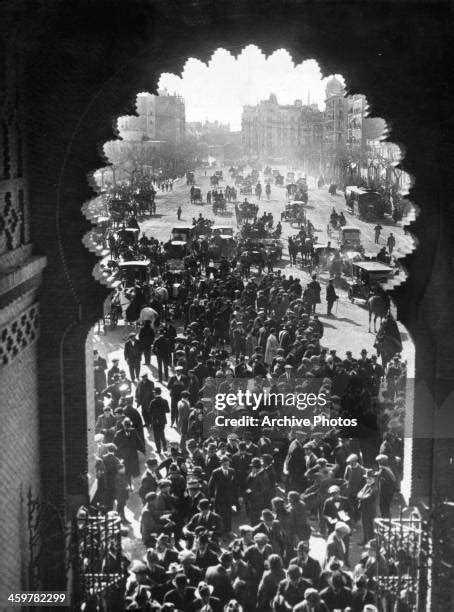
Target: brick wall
x=19, y=466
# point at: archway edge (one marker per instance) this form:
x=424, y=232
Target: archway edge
x=391, y=52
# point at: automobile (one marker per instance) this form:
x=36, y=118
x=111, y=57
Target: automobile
x=256, y=247
x=176, y=250
x=365, y=276
x=129, y=235
x=131, y=271
x=294, y=212
x=222, y=230
x=290, y=177
x=219, y=174
x=350, y=239
x=181, y=233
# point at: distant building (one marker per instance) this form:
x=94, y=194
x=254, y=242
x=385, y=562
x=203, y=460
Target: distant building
x=272, y=130
x=161, y=117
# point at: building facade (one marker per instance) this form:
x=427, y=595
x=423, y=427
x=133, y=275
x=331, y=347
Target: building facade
x=161, y=117
x=271, y=130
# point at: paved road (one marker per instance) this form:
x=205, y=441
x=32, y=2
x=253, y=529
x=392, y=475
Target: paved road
x=348, y=330
x=351, y=320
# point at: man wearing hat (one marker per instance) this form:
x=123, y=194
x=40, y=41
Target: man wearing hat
x=337, y=543
x=257, y=484
x=204, y=599
x=193, y=573
x=205, y=556
x=387, y=485
x=256, y=556
x=218, y=577
x=149, y=481
x=113, y=370
x=367, y=498
x=291, y=590
x=106, y=424
x=205, y=518
x=312, y=602
x=223, y=489
x=336, y=507
x=331, y=296
x=113, y=391
x=166, y=555
x=133, y=356
x=149, y=523
x=273, y=529
x=195, y=496
x=181, y=596
x=310, y=567
x=144, y=395
x=159, y=408
x=176, y=385
x=162, y=347
x=355, y=477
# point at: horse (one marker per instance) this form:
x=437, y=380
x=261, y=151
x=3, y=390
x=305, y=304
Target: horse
x=388, y=341
x=377, y=306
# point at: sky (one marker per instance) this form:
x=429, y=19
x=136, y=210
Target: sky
x=219, y=90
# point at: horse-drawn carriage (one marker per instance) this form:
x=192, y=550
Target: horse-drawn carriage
x=190, y=178
x=273, y=247
x=214, y=180
x=130, y=272
x=367, y=278
x=219, y=174
x=294, y=213
x=181, y=233
x=219, y=202
x=222, y=245
x=195, y=195
x=279, y=180
x=246, y=212
x=365, y=204
x=246, y=187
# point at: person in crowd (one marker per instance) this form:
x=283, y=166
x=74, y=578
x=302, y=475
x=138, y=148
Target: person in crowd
x=229, y=514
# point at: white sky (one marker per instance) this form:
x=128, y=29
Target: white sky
x=219, y=90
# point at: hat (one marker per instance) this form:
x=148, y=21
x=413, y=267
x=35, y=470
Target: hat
x=203, y=588
x=334, y=489
x=303, y=545
x=175, y=568
x=261, y=537
x=152, y=461
x=193, y=484
x=245, y=528
x=267, y=512
x=381, y=458
x=225, y=459
x=138, y=567
x=342, y=527
x=191, y=442
x=255, y=462
x=116, y=360
x=132, y=335
x=179, y=367
x=186, y=555
x=164, y=482
x=204, y=504
x=144, y=375
x=352, y=458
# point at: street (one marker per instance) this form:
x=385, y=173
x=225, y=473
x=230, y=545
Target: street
x=347, y=330
x=351, y=320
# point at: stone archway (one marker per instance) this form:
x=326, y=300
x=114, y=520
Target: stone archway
x=96, y=58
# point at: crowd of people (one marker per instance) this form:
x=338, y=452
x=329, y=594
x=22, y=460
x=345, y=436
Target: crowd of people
x=229, y=517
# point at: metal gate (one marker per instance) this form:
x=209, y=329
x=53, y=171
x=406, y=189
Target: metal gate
x=403, y=578
x=98, y=561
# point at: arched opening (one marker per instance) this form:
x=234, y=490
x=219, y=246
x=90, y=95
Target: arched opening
x=328, y=149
